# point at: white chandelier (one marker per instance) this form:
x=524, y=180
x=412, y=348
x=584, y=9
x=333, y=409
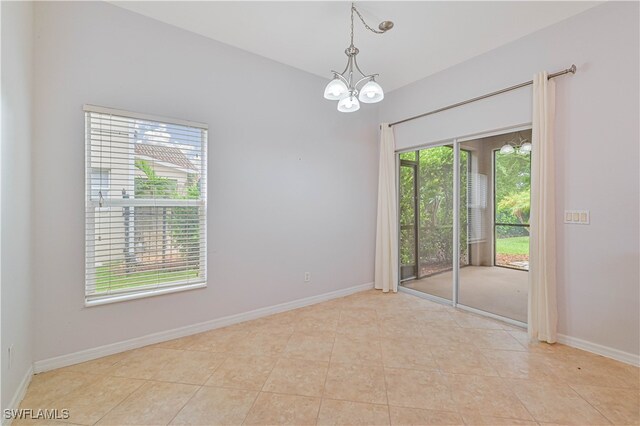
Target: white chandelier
x=344, y=87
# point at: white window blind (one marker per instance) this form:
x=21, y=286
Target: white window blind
x=477, y=208
x=99, y=182
x=146, y=205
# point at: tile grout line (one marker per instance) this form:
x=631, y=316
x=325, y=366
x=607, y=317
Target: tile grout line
x=96, y=378
x=145, y=381
x=326, y=377
x=386, y=391
x=535, y=419
x=226, y=356
x=185, y=404
x=384, y=373
x=244, y=419
x=444, y=374
x=278, y=358
x=590, y=404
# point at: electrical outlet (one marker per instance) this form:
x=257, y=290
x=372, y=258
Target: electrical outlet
x=10, y=356
x=307, y=277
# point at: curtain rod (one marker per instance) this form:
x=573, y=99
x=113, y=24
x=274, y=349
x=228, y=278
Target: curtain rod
x=571, y=70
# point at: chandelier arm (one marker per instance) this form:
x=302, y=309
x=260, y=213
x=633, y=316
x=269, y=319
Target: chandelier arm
x=366, y=77
x=341, y=77
x=353, y=9
x=343, y=71
x=355, y=61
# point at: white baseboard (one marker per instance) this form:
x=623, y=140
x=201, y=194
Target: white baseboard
x=618, y=355
x=113, y=348
x=19, y=395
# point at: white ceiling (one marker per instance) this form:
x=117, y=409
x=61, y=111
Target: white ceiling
x=427, y=37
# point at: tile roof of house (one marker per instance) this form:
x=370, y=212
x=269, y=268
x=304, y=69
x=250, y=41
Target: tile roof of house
x=167, y=154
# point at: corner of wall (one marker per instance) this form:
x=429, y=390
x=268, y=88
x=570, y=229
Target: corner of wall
x=16, y=311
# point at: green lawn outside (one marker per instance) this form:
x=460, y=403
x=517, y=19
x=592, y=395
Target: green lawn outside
x=105, y=278
x=513, y=245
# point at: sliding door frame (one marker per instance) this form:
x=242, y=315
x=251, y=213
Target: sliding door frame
x=455, y=143
x=414, y=165
x=446, y=142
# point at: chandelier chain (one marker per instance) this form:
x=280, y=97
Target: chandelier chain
x=373, y=30
x=352, y=9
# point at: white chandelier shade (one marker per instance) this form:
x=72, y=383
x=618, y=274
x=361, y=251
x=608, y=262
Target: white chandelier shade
x=335, y=90
x=349, y=104
x=507, y=149
x=525, y=148
x=371, y=93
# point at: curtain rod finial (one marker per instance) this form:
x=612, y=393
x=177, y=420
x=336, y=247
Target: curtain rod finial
x=573, y=69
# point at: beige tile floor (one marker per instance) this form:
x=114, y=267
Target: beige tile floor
x=369, y=358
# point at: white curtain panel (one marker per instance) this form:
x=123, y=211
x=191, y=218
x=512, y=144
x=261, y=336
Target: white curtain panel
x=386, y=274
x=543, y=315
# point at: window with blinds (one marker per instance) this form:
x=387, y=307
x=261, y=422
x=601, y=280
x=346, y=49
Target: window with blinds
x=146, y=205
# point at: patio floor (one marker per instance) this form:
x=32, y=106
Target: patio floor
x=497, y=290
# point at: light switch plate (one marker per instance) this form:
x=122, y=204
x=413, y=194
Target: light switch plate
x=577, y=217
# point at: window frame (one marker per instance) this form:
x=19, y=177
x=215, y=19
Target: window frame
x=149, y=290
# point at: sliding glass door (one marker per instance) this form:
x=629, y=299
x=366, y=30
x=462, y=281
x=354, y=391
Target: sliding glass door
x=497, y=215
x=489, y=193
x=427, y=243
